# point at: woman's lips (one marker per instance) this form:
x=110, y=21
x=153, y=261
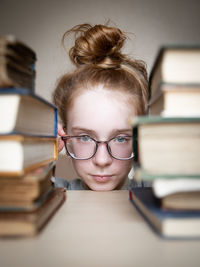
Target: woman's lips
x=102, y=178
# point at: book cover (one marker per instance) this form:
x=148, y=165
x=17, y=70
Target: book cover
x=168, y=224
x=141, y=120
x=27, y=114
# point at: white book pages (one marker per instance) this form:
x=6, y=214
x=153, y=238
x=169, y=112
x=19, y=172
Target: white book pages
x=163, y=187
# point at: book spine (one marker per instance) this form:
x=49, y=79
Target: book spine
x=142, y=175
x=55, y=122
x=135, y=145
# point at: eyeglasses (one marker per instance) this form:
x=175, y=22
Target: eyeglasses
x=85, y=147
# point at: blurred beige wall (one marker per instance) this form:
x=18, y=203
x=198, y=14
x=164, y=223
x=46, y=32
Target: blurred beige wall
x=41, y=23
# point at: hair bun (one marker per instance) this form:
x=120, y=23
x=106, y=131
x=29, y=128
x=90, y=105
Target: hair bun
x=99, y=45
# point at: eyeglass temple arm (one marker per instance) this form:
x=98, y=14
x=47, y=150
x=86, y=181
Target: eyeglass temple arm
x=65, y=137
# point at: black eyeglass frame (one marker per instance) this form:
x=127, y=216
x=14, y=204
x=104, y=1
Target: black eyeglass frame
x=64, y=138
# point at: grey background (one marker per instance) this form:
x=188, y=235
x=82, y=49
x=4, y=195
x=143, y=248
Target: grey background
x=41, y=24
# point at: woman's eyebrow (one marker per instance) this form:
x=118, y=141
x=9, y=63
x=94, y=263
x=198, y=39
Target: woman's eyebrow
x=120, y=131
x=92, y=132
x=81, y=129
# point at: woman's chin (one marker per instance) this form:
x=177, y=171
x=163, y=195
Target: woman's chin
x=101, y=186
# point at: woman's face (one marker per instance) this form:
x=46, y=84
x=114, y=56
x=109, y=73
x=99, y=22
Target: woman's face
x=102, y=114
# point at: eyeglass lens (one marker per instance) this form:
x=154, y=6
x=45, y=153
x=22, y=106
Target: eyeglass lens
x=80, y=147
x=84, y=147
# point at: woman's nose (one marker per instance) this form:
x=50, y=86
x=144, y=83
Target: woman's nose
x=102, y=156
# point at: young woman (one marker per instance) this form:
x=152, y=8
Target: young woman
x=95, y=103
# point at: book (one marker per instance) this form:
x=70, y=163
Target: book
x=141, y=175
x=12, y=75
x=176, y=100
x=168, y=224
x=9, y=43
x=21, y=154
x=167, y=146
x=175, y=64
x=26, y=114
x=21, y=224
x=17, y=63
x=189, y=200
x=21, y=193
x=27, y=205
x=164, y=187
x=178, y=193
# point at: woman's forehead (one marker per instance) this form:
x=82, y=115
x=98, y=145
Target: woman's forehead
x=101, y=94
x=100, y=111
x=102, y=98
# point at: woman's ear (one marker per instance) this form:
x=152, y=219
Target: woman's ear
x=65, y=129
x=61, y=130
x=61, y=144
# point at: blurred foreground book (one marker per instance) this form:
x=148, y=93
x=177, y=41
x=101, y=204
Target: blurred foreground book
x=180, y=193
x=174, y=84
x=26, y=192
x=172, y=224
x=17, y=63
x=20, y=154
x=29, y=223
x=167, y=146
x=26, y=114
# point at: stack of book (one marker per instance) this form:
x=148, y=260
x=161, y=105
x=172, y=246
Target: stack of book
x=166, y=144
x=28, y=146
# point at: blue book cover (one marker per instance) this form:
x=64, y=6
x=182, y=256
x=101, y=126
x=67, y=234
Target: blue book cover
x=167, y=223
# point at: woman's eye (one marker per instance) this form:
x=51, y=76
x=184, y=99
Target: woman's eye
x=85, y=138
x=121, y=139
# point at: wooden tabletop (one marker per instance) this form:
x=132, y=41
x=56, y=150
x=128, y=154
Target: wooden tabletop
x=98, y=229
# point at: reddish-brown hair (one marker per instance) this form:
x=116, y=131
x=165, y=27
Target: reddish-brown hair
x=99, y=61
